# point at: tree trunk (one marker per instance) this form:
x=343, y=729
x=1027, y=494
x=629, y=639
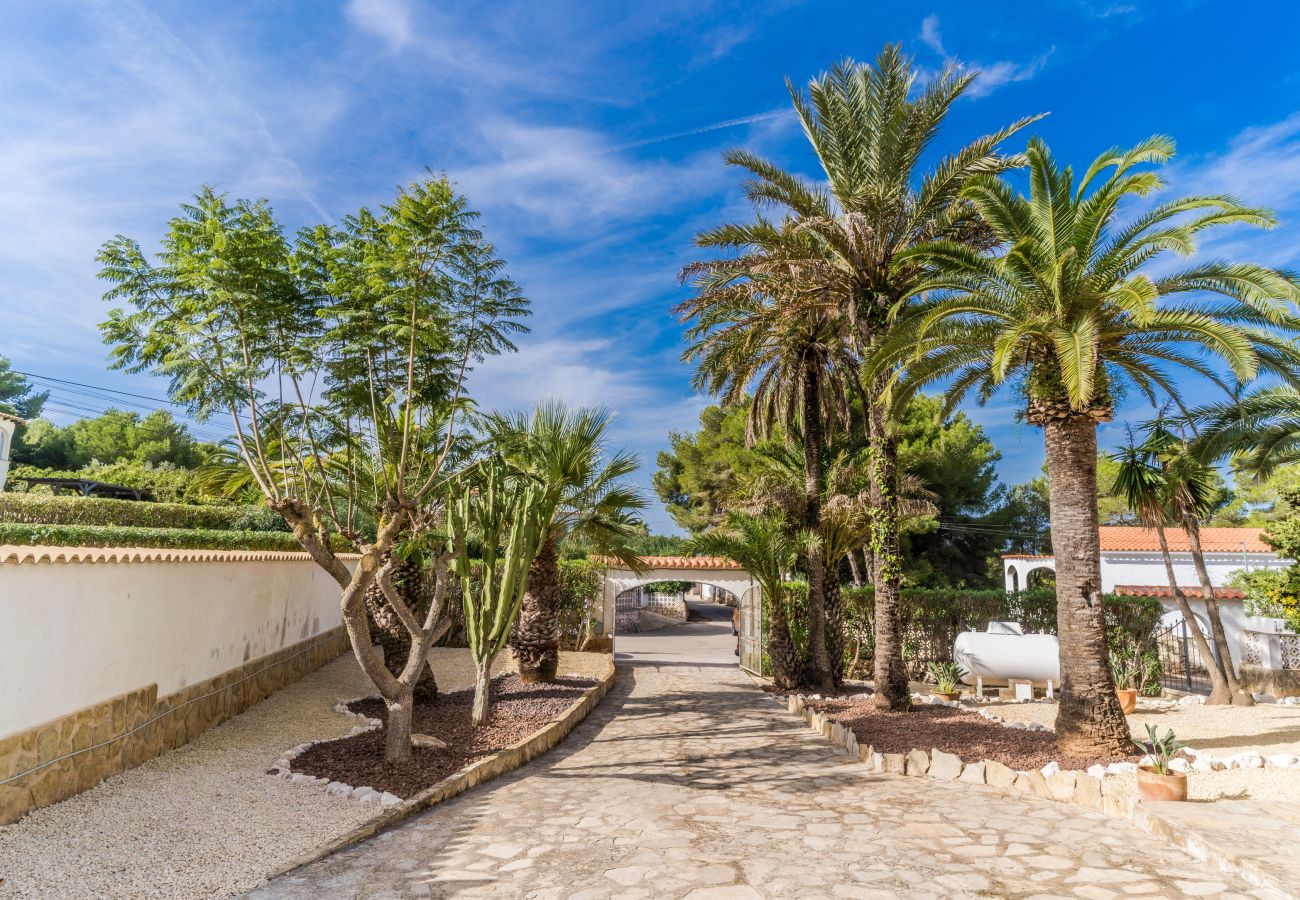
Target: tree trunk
x=482, y=692
x=893, y=690
x=536, y=638
x=1193, y=528
x=853, y=568
x=1089, y=722
x=397, y=729
x=786, y=663
x=835, y=642
x=817, y=675
x=391, y=635
x=1219, y=692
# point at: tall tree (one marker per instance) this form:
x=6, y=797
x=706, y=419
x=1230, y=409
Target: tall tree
x=870, y=131
x=1067, y=310
x=758, y=325
x=18, y=395
x=385, y=315
x=565, y=451
x=1145, y=487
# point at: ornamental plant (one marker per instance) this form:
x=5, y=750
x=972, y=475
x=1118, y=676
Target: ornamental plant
x=1160, y=749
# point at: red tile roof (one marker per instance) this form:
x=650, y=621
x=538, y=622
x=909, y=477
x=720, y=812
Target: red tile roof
x=678, y=562
x=1213, y=540
x=1126, y=538
x=1192, y=593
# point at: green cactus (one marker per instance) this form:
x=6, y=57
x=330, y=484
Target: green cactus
x=501, y=510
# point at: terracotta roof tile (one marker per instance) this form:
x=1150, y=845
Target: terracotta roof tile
x=1213, y=540
x=1122, y=538
x=678, y=562
x=1162, y=590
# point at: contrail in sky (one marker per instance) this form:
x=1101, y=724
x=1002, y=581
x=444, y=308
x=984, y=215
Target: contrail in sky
x=716, y=126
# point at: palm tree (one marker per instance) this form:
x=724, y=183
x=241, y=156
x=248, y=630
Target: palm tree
x=1143, y=484
x=1259, y=431
x=768, y=548
x=1193, y=495
x=565, y=450
x=761, y=323
x=869, y=131
x=1068, y=312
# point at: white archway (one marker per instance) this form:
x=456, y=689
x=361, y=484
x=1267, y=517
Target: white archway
x=715, y=570
x=1017, y=569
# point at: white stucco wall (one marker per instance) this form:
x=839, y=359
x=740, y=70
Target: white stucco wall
x=736, y=581
x=1148, y=569
x=77, y=633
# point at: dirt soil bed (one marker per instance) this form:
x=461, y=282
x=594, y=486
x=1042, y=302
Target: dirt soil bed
x=518, y=710
x=956, y=731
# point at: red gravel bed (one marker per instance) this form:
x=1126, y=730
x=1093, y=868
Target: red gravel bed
x=957, y=731
x=518, y=710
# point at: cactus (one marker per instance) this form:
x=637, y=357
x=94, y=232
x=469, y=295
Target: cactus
x=501, y=510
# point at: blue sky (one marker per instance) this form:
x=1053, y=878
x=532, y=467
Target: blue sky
x=588, y=134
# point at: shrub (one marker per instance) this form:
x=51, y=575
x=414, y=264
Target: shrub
x=932, y=619
x=156, y=538
x=167, y=484
x=48, y=509
x=581, y=583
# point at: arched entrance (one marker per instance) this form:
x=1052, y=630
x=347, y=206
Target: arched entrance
x=716, y=571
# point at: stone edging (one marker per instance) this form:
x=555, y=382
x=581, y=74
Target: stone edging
x=1062, y=786
x=507, y=760
x=11, y=554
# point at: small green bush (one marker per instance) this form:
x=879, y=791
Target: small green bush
x=155, y=538
x=48, y=509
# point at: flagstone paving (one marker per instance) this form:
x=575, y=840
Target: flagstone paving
x=688, y=782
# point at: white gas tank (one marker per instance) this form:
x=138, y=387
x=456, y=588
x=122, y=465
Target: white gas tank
x=1000, y=657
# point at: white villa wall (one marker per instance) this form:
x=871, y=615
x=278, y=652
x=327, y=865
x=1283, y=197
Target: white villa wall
x=1148, y=569
x=79, y=632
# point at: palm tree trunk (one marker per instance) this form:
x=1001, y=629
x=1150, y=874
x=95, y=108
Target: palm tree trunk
x=1089, y=722
x=1192, y=527
x=818, y=672
x=835, y=642
x=853, y=568
x=890, y=672
x=391, y=635
x=1219, y=692
x=786, y=668
x=536, y=638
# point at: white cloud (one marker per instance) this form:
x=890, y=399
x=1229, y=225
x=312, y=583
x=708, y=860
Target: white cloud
x=930, y=34
x=995, y=75
x=389, y=20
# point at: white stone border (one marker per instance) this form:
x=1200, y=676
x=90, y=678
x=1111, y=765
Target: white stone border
x=282, y=768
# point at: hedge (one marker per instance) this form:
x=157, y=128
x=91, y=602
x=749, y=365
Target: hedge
x=157, y=538
x=49, y=509
x=166, y=483
x=932, y=619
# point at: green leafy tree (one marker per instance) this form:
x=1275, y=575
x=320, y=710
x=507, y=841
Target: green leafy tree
x=18, y=395
x=1066, y=308
x=870, y=131
x=384, y=315
x=1146, y=487
x=565, y=451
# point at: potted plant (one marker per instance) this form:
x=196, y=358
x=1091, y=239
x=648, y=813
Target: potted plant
x=1127, y=668
x=946, y=678
x=1156, y=781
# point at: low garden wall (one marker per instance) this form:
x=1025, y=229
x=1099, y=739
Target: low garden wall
x=113, y=656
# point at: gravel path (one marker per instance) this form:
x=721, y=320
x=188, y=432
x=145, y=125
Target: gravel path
x=1267, y=728
x=205, y=820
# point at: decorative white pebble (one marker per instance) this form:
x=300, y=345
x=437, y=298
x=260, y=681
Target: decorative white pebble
x=1121, y=768
x=1097, y=771
x=388, y=799
x=1283, y=761
x=1179, y=765
x=1052, y=768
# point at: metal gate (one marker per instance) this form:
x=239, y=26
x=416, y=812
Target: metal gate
x=751, y=630
x=1181, y=665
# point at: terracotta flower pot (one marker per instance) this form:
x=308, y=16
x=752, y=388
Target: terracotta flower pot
x=1154, y=786
x=1128, y=699
x=946, y=696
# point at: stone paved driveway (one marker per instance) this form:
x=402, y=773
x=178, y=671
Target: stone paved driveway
x=688, y=782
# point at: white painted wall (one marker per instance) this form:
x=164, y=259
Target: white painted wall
x=78, y=633
x=617, y=580
x=1148, y=569
x=7, y=427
